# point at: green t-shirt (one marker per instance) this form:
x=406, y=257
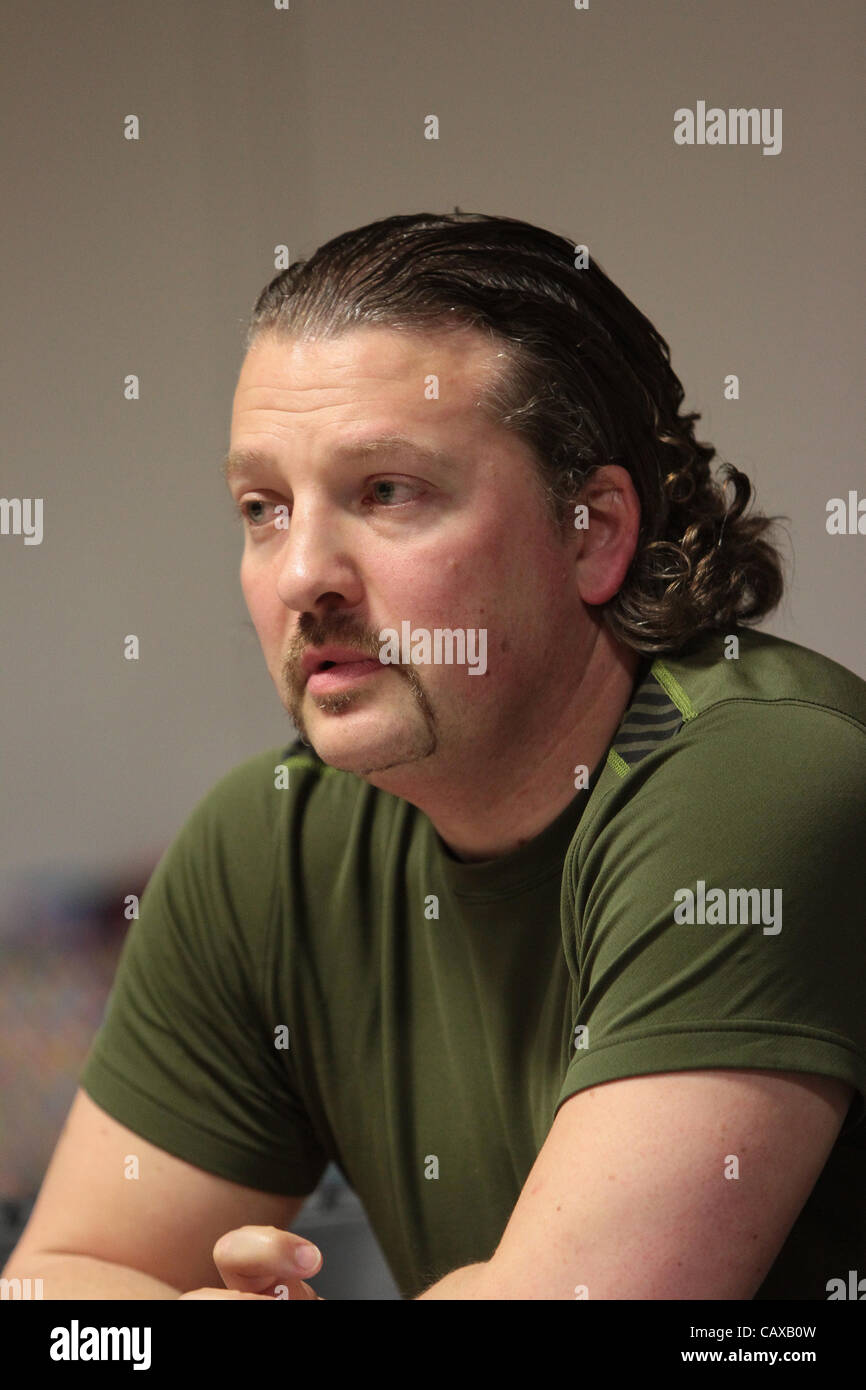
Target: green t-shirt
x=437, y=1013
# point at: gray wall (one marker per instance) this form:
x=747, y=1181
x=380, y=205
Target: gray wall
x=261, y=126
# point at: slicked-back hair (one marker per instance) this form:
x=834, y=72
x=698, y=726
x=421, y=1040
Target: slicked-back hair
x=585, y=381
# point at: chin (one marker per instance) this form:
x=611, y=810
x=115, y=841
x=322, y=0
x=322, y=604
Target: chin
x=345, y=744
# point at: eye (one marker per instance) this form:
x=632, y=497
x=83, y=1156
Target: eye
x=386, y=494
x=244, y=510
x=390, y=483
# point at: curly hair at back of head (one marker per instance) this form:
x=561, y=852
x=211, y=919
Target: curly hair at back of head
x=585, y=381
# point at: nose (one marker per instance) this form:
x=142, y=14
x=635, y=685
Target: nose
x=314, y=561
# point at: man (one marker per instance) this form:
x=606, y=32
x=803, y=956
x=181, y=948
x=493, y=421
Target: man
x=558, y=953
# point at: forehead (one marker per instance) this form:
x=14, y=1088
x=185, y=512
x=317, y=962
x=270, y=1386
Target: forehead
x=368, y=362
x=395, y=393
x=315, y=399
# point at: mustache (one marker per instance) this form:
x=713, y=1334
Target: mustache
x=341, y=629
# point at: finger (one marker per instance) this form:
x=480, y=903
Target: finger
x=255, y=1258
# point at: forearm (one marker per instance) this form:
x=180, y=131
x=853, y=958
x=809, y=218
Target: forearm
x=79, y=1276
x=468, y=1282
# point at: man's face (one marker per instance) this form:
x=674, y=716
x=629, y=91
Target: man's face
x=457, y=537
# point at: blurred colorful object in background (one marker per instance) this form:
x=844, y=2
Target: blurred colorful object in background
x=60, y=939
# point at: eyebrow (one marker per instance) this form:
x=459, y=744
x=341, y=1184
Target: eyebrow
x=240, y=460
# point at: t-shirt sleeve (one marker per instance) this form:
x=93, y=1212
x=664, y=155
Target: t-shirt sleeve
x=766, y=797
x=185, y=1055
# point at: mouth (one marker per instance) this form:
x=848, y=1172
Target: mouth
x=337, y=675
x=332, y=669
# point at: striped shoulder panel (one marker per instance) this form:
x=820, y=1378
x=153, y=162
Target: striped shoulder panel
x=650, y=719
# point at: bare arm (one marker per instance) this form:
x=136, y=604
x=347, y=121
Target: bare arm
x=96, y=1234
x=628, y=1197
x=80, y=1277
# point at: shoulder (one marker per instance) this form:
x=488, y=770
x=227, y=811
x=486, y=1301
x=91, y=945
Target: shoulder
x=281, y=815
x=760, y=708
x=714, y=893
x=762, y=755
x=260, y=792
x=263, y=842
x=748, y=668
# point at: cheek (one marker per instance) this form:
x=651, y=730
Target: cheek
x=463, y=571
x=499, y=578
x=250, y=590
x=444, y=592
x=263, y=604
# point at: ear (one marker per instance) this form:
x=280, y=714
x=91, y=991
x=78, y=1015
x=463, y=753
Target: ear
x=607, y=532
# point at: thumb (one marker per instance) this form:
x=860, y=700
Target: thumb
x=266, y=1260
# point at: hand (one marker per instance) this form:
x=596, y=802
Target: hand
x=259, y=1262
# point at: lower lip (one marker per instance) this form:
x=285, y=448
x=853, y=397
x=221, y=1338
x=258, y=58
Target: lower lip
x=344, y=673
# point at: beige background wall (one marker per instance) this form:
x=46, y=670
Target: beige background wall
x=262, y=126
